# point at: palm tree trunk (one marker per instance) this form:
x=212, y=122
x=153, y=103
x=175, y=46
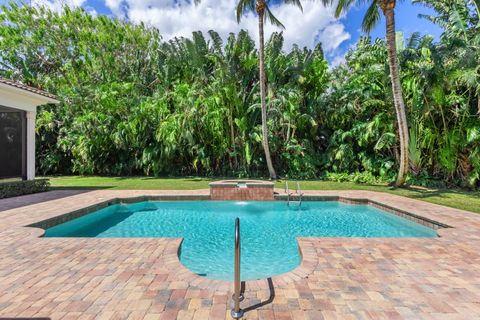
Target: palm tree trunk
x=397, y=94
x=266, y=148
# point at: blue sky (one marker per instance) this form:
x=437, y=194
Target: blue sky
x=180, y=18
x=406, y=19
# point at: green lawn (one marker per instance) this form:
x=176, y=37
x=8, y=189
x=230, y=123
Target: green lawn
x=449, y=197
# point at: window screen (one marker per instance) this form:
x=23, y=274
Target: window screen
x=11, y=143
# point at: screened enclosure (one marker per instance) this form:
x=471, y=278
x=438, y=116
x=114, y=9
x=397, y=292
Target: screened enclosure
x=12, y=143
x=18, y=110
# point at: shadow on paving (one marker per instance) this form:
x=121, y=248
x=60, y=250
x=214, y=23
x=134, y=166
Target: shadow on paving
x=261, y=303
x=30, y=199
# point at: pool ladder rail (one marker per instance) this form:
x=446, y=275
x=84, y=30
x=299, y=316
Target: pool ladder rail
x=237, y=312
x=298, y=193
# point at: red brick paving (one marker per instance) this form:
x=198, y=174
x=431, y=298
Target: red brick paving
x=339, y=278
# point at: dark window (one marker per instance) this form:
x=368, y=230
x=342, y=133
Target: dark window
x=12, y=143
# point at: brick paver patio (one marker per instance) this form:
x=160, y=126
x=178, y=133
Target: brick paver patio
x=339, y=278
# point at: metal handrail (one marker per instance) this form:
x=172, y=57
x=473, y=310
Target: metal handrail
x=236, y=312
x=300, y=194
x=287, y=191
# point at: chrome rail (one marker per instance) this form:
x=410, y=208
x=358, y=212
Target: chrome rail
x=287, y=191
x=236, y=312
x=300, y=194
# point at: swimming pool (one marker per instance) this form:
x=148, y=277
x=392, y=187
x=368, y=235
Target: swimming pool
x=268, y=230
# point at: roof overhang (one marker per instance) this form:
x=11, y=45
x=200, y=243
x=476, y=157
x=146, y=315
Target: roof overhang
x=18, y=98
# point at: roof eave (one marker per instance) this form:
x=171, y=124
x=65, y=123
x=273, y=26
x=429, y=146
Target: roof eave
x=31, y=94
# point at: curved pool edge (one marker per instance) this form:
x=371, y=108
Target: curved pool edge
x=307, y=251
x=24, y=232
x=307, y=265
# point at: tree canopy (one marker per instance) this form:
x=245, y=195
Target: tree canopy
x=134, y=103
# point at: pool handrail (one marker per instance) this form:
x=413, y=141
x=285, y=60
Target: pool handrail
x=287, y=191
x=298, y=192
x=237, y=312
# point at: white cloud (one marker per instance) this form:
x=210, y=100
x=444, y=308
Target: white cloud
x=57, y=5
x=333, y=36
x=114, y=6
x=181, y=17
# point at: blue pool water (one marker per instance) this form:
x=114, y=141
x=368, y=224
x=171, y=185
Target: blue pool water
x=268, y=230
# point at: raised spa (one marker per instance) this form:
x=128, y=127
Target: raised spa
x=268, y=229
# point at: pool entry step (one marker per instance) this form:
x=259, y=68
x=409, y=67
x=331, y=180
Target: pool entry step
x=247, y=190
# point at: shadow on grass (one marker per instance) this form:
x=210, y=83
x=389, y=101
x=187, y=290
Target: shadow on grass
x=422, y=193
x=192, y=179
x=81, y=188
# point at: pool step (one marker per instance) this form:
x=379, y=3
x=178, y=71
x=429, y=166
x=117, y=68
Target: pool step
x=295, y=203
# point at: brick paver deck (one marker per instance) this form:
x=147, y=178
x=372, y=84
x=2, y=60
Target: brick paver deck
x=339, y=278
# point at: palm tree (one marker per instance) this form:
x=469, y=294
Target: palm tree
x=371, y=18
x=263, y=12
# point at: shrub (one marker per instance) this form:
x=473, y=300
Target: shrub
x=18, y=188
x=357, y=177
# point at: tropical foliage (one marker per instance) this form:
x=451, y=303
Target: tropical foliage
x=133, y=103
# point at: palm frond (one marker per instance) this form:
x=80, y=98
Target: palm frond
x=273, y=20
x=244, y=6
x=217, y=40
x=477, y=6
x=372, y=16
x=345, y=5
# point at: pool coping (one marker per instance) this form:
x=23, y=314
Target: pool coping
x=430, y=223
x=65, y=217
x=307, y=249
x=56, y=220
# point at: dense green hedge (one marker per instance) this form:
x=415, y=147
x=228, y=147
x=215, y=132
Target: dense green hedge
x=18, y=188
